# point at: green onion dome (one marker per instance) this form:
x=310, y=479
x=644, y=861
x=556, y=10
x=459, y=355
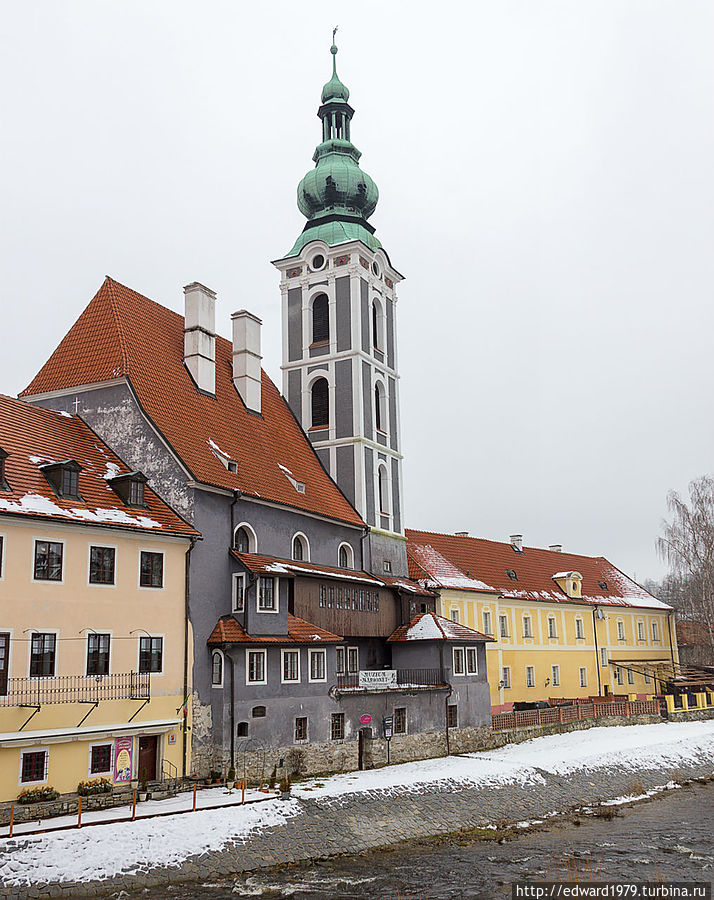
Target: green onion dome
x=334, y=89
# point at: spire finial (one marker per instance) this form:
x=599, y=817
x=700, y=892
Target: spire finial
x=333, y=50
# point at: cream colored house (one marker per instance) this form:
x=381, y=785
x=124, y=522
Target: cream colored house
x=94, y=669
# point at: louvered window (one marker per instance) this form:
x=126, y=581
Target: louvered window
x=320, y=319
x=320, y=403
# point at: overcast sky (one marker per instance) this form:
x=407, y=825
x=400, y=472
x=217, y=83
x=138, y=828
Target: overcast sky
x=545, y=177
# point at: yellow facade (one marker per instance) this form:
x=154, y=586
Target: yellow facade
x=544, y=649
x=65, y=713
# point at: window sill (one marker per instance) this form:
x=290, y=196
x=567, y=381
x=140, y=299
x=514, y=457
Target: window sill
x=319, y=344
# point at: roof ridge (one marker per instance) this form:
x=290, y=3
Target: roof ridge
x=117, y=321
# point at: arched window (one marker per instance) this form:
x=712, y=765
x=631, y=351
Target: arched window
x=217, y=669
x=320, y=397
x=345, y=557
x=383, y=486
x=380, y=414
x=258, y=712
x=320, y=319
x=375, y=326
x=301, y=549
x=244, y=540
x=242, y=729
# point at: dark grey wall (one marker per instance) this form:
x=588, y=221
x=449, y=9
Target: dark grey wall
x=344, y=410
x=364, y=317
x=390, y=333
x=344, y=313
x=384, y=547
x=396, y=496
x=294, y=323
x=369, y=484
x=367, y=398
x=295, y=392
x=345, y=457
x=393, y=424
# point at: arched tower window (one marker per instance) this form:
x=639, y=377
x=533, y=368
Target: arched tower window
x=300, y=549
x=380, y=415
x=345, y=557
x=320, y=399
x=383, y=488
x=320, y=319
x=217, y=669
x=376, y=342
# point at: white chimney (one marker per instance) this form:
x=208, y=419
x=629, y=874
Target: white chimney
x=461, y=533
x=517, y=542
x=246, y=357
x=556, y=548
x=199, y=335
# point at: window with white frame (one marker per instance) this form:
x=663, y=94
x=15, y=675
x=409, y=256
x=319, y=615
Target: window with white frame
x=603, y=656
x=217, y=669
x=454, y=614
x=43, y=654
x=301, y=549
x=655, y=631
x=459, y=661
x=555, y=676
x=380, y=408
x=506, y=677
x=583, y=677
x=620, y=630
x=530, y=676
x=486, y=615
x=318, y=665
x=640, y=631
x=618, y=675
x=33, y=766
x=100, y=759
x=151, y=655
x=291, y=665
x=48, y=560
x=503, y=626
x=579, y=630
x=552, y=629
x=383, y=490
x=238, y=599
x=340, y=660
x=267, y=595
x=630, y=676
x=353, y=660
x=98, y=648
x=151, y=569
x=527, y=627
x=255, y=667
x=471, y=661
x=345, y=556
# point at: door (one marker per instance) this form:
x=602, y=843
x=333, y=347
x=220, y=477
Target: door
x=147, y=757
x=4, y=661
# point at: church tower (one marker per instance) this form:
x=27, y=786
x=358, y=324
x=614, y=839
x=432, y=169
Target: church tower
x=339, y=301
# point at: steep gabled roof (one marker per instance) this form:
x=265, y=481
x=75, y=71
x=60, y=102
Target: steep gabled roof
x=228, y=630
x=122, y=334
x=33, y=437
x=430, y=627
x=475, y=564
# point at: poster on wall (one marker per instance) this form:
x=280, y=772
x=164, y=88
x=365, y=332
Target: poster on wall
x=123, y=758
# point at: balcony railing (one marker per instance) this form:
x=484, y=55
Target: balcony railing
x=404, y=680
x=76, y=689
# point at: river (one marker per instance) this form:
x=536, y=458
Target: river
x=670, y=838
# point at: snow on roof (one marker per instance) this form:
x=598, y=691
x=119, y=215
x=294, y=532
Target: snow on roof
x=432, y=627
x=446, y=573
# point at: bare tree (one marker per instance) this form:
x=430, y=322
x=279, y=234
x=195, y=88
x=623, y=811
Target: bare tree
x=687, y=544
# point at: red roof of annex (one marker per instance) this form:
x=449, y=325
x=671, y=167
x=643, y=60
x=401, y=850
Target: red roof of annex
x=228, y=630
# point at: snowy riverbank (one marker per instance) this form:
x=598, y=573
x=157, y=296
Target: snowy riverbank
x=506, y=782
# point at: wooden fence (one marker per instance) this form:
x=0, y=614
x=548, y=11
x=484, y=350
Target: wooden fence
x=573, y=713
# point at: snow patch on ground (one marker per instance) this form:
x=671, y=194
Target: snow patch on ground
x=103, y=851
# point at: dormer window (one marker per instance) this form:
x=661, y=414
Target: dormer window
x=63, y=478
x=602, y=585
x=4, y=486
x=512, y=574
x=130, y=488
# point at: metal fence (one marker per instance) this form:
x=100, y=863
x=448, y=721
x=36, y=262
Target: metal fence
x=76, y=689
x=406, y=678
x=573, y=712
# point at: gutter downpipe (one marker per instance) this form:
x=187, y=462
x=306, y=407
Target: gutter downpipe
x=237, y=494
x=365, y=532
x=446, y=704
x=186, y=619
x=671, y=646
x=597, y=654
x=233, y=710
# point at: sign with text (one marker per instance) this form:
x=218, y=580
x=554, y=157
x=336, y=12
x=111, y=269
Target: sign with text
x=123, y=758
x=378, y=678
x=388, y=722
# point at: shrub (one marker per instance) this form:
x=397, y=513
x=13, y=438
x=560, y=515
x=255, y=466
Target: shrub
x=95, y=786
x=273, y=777
x=38, y=795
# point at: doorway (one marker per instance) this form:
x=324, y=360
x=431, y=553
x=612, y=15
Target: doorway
x=148, y=745
x=4, y=661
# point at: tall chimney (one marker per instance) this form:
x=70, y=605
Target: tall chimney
x=556, y=548
x=517, y=542
x=199, y=335
x=246, y=357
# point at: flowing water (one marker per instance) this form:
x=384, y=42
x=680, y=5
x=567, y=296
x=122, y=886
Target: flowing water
x=668, y=839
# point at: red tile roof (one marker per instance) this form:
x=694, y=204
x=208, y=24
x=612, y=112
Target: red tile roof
x=475, y=564
x=124, y=334
x=230, y=631
x=32, y=436
x=272, y=565
x=430, y=627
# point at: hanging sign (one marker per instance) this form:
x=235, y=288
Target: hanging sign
x=388, y=723
x=123, y=759
x=378, y=678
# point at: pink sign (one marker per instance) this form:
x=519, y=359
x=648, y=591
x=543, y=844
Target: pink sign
x=365, y=719
x=123, y=757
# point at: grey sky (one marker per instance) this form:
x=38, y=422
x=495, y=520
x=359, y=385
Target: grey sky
x=545, y=171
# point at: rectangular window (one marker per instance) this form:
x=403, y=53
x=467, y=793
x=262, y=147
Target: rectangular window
x=376, y=601
x=648, y=679
x=42, y=655
x=620, y=630
x=471, y=661
x=318, y=665
x=34, y=766
x=100, y=760
x=506, y=677
x=552, y=632
x=503, y=626
x=70, y=483
x=361, y=601
x=583, y=677
x=323, y=595
x=486, y=622
x=301, y=728
x=340, y=660
x=354, y=599
x=655, y=631
x=603, y=656
x=452, y=716
x=291, y=665
x=339, y=598
x=454, y=614
x=98, y=654
x=152, y=569
x=337, y=727
x=459, y=663
x=266, y=594
x=640, y=631
x=555, y=675
x=101, y=565
x=331, y=600
x=618, y=675
x=136, y=493
x=400, y=720
x=255, y=667
x=151, y=654
x=530, y=676
x=48, y=561
x=579, y=632
x=238, y=592
x=527, y=627
x=352, y=660
x=630, y=676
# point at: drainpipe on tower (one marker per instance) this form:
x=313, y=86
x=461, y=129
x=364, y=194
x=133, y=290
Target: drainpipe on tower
x=233, y=710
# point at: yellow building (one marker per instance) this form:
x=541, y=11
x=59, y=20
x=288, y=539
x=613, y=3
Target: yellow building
x=565, y=625
x=93, y=630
